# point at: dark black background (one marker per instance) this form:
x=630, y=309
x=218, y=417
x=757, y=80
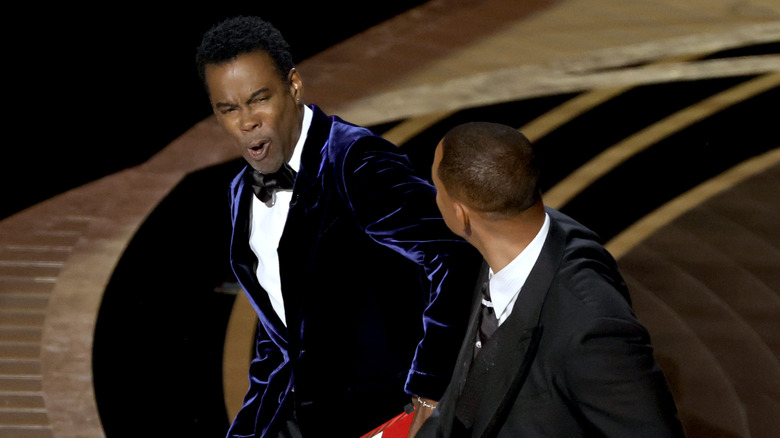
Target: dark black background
x=92, y=90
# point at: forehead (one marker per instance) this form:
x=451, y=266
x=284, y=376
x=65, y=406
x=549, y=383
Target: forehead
x=247, y=70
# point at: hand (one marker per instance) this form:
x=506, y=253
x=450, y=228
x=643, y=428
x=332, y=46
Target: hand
x=423, y=408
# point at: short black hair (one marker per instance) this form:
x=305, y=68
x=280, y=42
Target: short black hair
x=240, y=35
x=490, y=167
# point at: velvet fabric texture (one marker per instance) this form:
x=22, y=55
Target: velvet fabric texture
x=571, y=360
x=376, y=290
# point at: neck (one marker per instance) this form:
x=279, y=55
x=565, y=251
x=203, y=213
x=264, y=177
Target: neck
x=501, y=240
x=301, y=116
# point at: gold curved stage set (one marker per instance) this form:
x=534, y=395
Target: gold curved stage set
x=657, y=124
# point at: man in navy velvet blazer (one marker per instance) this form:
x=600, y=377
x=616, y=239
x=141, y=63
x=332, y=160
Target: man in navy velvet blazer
x=361, y=290
x=568, y=357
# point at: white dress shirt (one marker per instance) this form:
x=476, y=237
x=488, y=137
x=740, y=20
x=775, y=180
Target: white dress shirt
x=505, y=284
x=267, y=224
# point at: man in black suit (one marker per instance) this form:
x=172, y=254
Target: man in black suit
x=553, y=348
x=359, y=286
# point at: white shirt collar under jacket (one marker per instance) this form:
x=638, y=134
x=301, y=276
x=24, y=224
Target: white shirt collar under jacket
x=505, y=284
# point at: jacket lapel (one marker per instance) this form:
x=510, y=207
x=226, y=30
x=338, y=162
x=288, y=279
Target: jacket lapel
x=505, y=360
x=300, y=229
x=466, y=354
x=463, y=364
x=245, y=262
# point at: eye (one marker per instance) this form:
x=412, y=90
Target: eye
x=224, y=108
x=259, y=99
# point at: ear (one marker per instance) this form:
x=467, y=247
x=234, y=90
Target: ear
x=463, y=216
x=296, y=85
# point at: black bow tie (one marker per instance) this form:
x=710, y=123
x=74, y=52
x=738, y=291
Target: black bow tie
x=265, y=186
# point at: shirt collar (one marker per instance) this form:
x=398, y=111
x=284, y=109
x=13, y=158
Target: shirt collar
x=506, y=283
x=295, y=160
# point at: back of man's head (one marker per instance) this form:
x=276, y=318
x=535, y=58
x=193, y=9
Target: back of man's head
x=490, y=167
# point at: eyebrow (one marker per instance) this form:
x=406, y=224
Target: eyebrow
x=252, y=96
x=257, y=93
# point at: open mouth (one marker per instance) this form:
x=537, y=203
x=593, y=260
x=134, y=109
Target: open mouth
x=258, y=151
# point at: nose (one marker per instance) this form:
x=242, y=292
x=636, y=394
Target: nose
x=249, y=121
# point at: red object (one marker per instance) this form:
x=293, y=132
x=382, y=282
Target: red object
x=396, y=427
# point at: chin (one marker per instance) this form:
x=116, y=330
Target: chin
x=265, y=167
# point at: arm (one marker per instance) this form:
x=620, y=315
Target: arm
x=397, y=209
x=615, y=384
x=423, y=408
x=611, y=379
x=266, y=364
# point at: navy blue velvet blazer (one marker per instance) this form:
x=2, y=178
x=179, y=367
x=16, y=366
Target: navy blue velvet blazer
x=376, y=290
x=570, y=361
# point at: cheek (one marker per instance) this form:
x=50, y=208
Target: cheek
x=438, y=201
x=445, y=211
x=287, y=122
x=227, y=122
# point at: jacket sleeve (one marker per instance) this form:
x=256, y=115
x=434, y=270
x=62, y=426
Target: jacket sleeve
x=268, y=378
x=610, y=374
x=397, y=209
x=616, y=384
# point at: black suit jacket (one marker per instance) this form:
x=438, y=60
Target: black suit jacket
x=571, y=360
x=368, y=271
